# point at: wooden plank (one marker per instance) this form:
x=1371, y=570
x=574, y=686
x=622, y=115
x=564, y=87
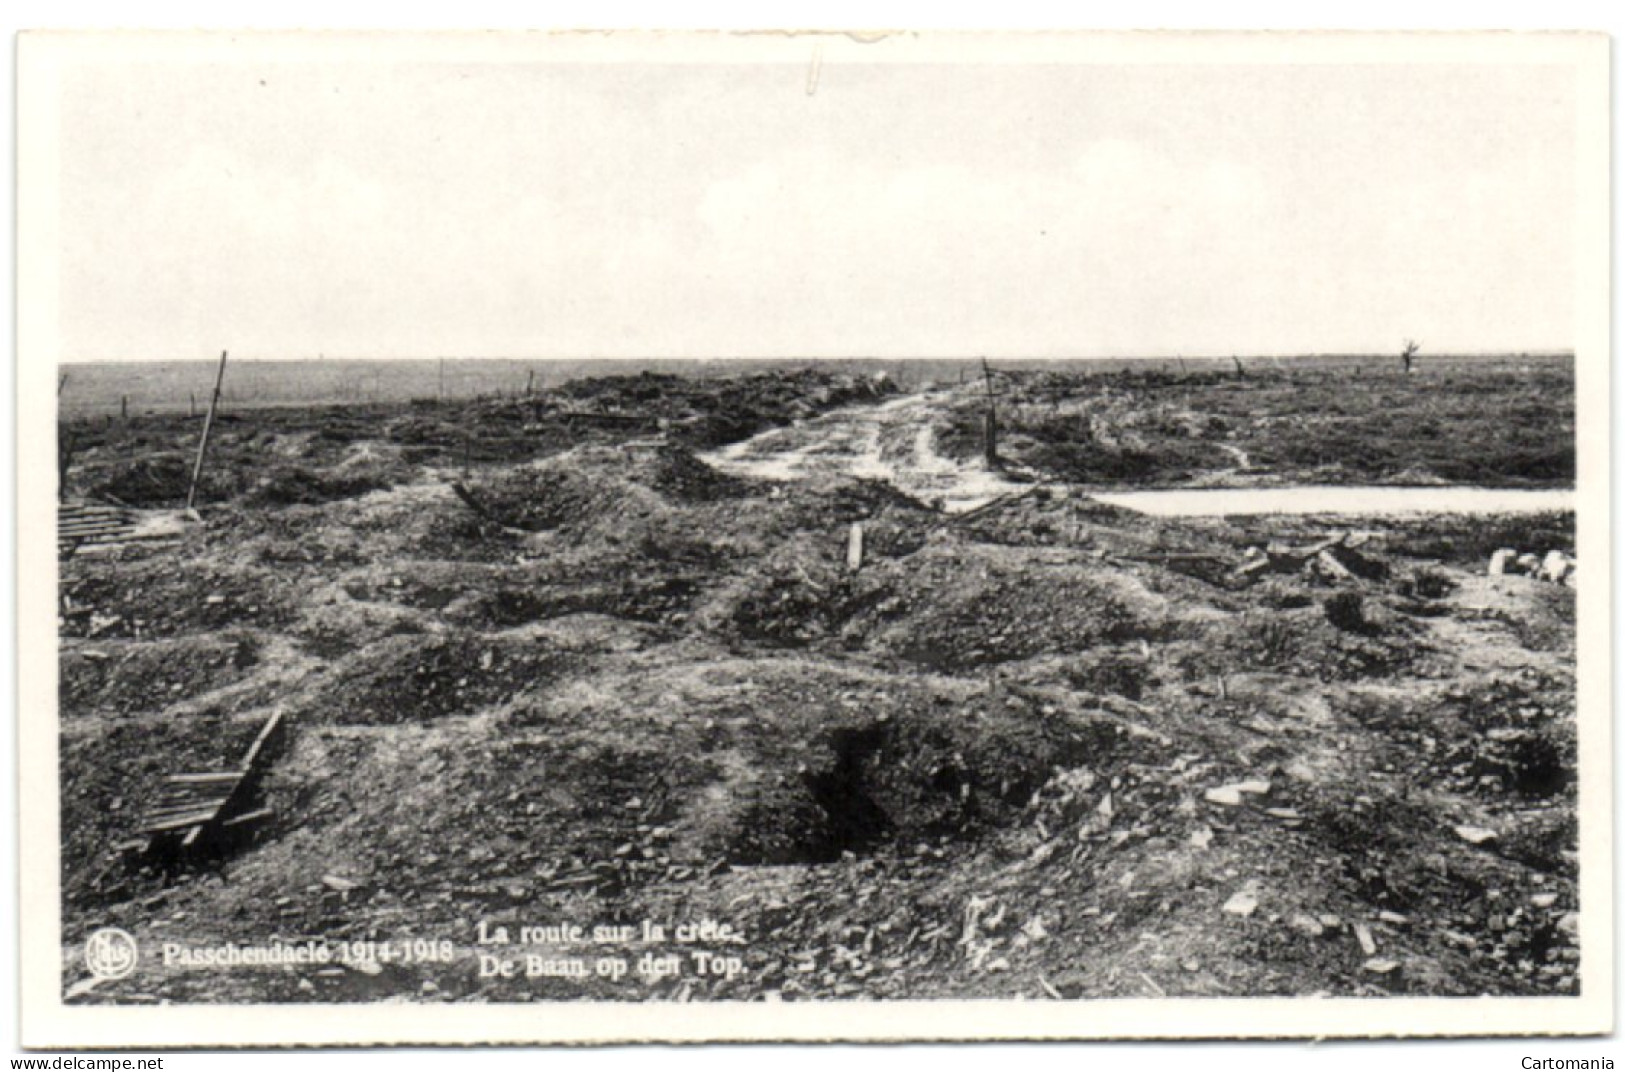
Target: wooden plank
x=254, y=750
x=192, y=836
x=181, y=805
x=198, y=793
x=195, y=792
x=180, y=823
x=251, y=817
x=201, y=785
x=186, y=808
x=222, y=776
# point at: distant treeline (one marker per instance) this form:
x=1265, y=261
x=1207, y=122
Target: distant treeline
x=169, y=386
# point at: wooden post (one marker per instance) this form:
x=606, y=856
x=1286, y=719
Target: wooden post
x=208, y=423
x=124, y=407
x=1239, y=370
x=191, y=403
x=854, y=547
x=530, y=381
x=990, y=420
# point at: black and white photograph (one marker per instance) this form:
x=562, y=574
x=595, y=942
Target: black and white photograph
x=813, y=536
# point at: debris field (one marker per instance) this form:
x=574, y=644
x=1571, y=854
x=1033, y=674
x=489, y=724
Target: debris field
x=536, y=661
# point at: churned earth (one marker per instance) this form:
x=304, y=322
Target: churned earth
x=1033, y=745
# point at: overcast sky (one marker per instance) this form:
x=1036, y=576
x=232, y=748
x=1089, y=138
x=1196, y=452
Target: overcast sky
x=859, y=208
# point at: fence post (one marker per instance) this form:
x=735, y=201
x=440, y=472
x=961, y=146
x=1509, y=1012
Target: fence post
x=203, y=441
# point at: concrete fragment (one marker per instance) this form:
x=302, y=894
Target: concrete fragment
x=1368, y=944
x=1555, y=566
x=1231, y=795
x=1306, y=925
x=1380, y=965
x=1466, y=941
x=1529, y=564
x=1475, y=835
x=1501, y=560
x=1241, y=903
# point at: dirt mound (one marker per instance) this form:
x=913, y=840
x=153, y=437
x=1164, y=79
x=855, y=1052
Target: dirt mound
x=151, y=597
x=152, y=481
x=678, y=475
x=590, y=483
x=336, y=627
x=422, y=678
x=1510, y=735
x=538, y=500
x=128, y=679
x=948, y=607
x=960, y=608
x=498, y=595
x=296, y=485
x=1303, y=641
x=576, y=490
x=646, y=599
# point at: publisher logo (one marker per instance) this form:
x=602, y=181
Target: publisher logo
x=110, y=953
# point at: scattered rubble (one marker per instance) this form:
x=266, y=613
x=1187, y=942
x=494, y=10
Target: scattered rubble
x=1557, y=567
x=1053, y=750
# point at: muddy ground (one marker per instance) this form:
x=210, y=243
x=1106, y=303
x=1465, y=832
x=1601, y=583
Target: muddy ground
x=1503, y=422
x=1047, y=748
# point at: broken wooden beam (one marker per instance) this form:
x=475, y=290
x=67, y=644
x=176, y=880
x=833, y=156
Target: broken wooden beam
x=197, y=818
x=258, y=816
x=190, y=807
x=212, y=778
x=262, y=743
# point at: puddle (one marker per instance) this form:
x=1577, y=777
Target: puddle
x=1364, y=501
